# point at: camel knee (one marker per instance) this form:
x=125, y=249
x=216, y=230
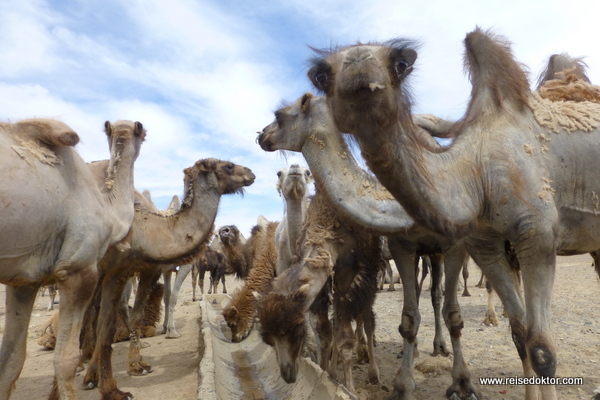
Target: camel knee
x=454, y=322
x=409, y=326
x=543, y=356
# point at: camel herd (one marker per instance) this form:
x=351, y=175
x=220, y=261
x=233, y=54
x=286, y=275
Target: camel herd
x=514, y=189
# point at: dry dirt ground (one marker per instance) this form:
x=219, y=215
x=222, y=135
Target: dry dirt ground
x=489, y=351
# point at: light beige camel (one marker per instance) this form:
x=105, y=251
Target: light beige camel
x=157, y=239
x=519, y=169
x=307, y=126
x=293, y=184
x=61, y=217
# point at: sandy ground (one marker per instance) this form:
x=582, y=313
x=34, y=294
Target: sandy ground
x=489, y=351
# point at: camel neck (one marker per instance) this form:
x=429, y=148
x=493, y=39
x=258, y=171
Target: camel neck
x=354, y=193
x=177, y=237
x=433, y=185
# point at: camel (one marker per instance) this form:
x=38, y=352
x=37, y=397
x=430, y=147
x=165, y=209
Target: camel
x=332, y=247
x=519, y=169
x=215, y=263
x=86, y=212
x=233, y=244
x=292, y=184
x=307, y=126
x=156, y=239
x=240, y=313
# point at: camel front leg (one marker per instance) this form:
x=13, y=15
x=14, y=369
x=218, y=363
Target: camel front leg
x=171, y=332
x=19, y=303
x=404, y=384
x=194, y=280
x=362, y=352
x=437, y=272
x=462, y=386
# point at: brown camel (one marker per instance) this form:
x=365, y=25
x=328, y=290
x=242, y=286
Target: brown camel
x=329, y=247
x=518, y=170
x=240, y=313
x=233, y=244
x=292, y=184
x=62, y=216
x=156, y=239
x=307, y=126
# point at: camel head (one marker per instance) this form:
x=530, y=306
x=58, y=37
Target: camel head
x=227, y=177
x=293, y=182
x=121, y=132
x=295, y=125
x=364, y=79
x=239, y=323
x=229, y=235
x=283, y=327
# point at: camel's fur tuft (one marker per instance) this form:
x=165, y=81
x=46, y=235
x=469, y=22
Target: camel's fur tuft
x=498, y=80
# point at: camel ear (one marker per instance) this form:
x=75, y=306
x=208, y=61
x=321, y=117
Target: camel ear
x=139, y=130
x=305, y=103
x=203, y=165
x=403, y=61
x=301, y=294
x=320, y=75
x=107, y=128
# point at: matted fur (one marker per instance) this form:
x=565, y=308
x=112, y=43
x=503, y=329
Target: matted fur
x=569, y=116
x=569, y=86
x=152, y=316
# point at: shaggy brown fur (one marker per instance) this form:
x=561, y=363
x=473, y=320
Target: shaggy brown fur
x=355, y=256
x=152, y=315
x=240, y=313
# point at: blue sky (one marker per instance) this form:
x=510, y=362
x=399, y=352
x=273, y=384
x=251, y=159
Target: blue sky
x=204, y=76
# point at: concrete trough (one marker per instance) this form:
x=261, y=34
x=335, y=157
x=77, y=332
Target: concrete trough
x=249, y=370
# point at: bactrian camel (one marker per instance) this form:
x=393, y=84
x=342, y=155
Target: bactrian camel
x=293, y=184
x=308, y=127
x=520, y=169
x=61, y=216
x=157, y=239
x=262, y=258
x=329, y=247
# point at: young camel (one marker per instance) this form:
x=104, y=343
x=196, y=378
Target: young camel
x=292, y=184
x=333, y=247
x=513, y=170
x=156, y=239
x=307, y=126
x=239, y=314
x=60, y=236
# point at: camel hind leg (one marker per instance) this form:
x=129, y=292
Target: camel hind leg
x=19, y=304
x=437, y=272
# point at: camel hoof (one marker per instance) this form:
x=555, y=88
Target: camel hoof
x=466, y=294
x=173, y=335
x=143, y=345
x=391, y=289
x=89, y=386
x=454, y=396
x=490, y=321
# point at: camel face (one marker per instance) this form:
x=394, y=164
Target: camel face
x=305, y=119
x=230, y=178
x=283, y=326
x=229, y=234
x=293, y=181
x=362, y=78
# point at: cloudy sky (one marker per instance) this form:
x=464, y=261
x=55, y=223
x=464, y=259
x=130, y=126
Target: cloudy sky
x=204, y=76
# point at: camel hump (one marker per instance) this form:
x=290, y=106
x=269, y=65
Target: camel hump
x=48, y=131
x=564, y=67
x=497, y=78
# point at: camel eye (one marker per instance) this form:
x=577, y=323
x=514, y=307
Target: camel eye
x=279, y=174
x=307, y=173
x=278, y=117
